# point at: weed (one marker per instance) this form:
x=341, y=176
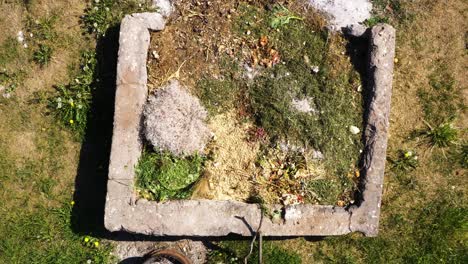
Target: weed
x=281, y=16
x=402, y=164
x=162, y=176
x=443, y=135
x=375, y=20
x=104, y=14
x=43, y=55
x=9, y=81
x=41, y=30
x=72, y=102
x=405, y=161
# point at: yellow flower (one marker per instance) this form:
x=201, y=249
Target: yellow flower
x=86, y=239
x=72, y=202
x=96, y=244
x=408, y=154
x=72, y=104
x=71, y=121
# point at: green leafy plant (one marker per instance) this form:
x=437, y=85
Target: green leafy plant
x=43, y=55
x=375, y=20
x=443, y=135
x=41, y=29
x=162, y=176
x=405, y=160
x=9, y=81
x=282, y=16
x=72, y=102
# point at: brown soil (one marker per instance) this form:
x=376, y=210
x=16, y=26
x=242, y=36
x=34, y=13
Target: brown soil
x=191, y=42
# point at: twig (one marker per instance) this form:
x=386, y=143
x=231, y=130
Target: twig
x=176, y=74
x=254, y=238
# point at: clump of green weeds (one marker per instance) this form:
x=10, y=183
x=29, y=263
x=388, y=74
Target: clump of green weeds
x=443, y=135
x=41, y=29
x=72, y=102
x=101, y=15
x=9, y=81
x=375, y=20
x=162, y=176
x=404, y=161
x=43, y=55
x=41, y=35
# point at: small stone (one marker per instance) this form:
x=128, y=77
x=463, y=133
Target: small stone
x=315, y=69
x=359, y=88
x=354, y=130
x=20, y=36
x=155, y=54
x=317, y=155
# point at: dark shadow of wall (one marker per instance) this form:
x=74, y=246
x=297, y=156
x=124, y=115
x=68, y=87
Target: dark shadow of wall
x=91, y=179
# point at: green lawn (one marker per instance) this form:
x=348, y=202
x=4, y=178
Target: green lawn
x=53, y=171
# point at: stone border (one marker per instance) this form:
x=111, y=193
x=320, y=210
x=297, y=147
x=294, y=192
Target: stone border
x=124, y=212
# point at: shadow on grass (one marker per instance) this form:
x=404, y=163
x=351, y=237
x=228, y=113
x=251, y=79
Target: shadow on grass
x=91, y=180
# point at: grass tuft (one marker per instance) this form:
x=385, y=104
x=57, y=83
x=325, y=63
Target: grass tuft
x=43, y=55
x=444, y=135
